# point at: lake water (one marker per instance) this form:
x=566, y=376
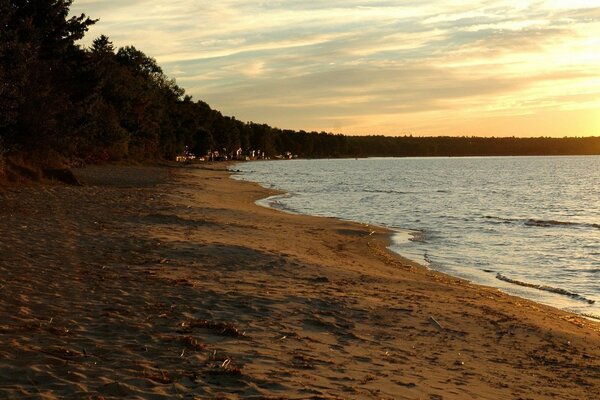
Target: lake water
x=499, y=221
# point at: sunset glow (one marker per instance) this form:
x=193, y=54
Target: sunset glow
x=486, y=68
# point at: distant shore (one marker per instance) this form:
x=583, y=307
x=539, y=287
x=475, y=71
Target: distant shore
x=170, y=282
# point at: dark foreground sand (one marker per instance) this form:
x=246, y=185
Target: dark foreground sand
x=156, y=283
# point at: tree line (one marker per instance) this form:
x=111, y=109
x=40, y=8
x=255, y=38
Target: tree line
x=59, y=99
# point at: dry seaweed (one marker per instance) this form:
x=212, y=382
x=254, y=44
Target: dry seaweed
x=64, y=353
x=192, y=343
x=220, y=328
x=218, y=364
x=159, y=376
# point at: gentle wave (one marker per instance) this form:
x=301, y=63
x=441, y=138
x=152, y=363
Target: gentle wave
x=545, y=288
x=543, y=227
x=543, y=223
x=387, y=191
x=395, y=191
x=276, y=202
x=592, y=316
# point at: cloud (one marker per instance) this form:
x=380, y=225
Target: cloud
x=368, y=66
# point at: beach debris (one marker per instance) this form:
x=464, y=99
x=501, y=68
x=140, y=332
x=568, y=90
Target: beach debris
x=159, y=376
x=48, y=327
x=182, y=282
x=222, y=365
x=225, y=368
x=575, y=320
x=406, y=384
x=63, y=353
x=192, y=343
x=220, y=328
x=436, y=324
x=367, y=378
x=320, y=279
x=189, y=342
x=303, y=362
x=545, y=288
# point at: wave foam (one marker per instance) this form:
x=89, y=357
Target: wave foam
x=542, y=223
x=545, y=288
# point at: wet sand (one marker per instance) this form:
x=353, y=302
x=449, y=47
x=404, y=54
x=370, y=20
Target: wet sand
x=159, y=283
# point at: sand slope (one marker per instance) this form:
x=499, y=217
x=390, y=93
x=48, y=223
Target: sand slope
x=152, y=283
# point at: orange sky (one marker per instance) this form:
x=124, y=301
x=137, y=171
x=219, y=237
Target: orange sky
x=486, y=68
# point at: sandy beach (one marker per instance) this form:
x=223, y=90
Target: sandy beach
x=166, y=282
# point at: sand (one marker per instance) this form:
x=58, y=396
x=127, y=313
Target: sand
x=160, y=283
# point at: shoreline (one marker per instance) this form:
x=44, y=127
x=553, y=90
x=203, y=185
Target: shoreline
x=406, y=234
x=509, y=281
x=172, y=282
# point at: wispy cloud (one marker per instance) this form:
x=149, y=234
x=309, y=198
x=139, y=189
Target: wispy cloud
x=437, y=67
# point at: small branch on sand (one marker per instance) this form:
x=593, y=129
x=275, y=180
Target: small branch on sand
x=436, y=324
x=222, y=365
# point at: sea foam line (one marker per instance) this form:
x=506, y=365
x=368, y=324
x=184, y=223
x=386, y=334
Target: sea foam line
x=544, y=223
x=545, y=288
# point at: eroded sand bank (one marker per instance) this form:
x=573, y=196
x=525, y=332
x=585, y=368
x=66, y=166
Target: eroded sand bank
x=156, y=283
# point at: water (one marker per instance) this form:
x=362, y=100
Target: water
x=535, y=220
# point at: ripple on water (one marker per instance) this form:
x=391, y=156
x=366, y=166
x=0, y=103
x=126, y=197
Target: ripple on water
x=532, y=219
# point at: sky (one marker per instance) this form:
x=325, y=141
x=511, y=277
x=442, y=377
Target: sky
x=422, y=68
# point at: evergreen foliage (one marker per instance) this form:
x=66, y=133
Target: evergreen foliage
x=101, y=103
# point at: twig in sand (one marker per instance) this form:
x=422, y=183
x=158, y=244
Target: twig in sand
x=227, y=367
x=436, y=324
x=222, y=365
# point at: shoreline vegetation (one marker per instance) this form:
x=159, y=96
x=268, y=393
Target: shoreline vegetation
x=166, y=282
x=64, y=105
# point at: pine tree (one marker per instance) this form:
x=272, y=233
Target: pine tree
x=39, y=62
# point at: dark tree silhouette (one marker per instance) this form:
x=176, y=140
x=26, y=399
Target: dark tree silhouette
x=40, y=67
x=88, y=105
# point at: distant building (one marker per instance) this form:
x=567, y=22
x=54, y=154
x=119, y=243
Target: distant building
x=185, y=156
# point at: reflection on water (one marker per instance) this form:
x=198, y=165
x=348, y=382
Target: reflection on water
x=534, y=220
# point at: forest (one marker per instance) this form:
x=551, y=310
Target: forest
x=63, y=101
